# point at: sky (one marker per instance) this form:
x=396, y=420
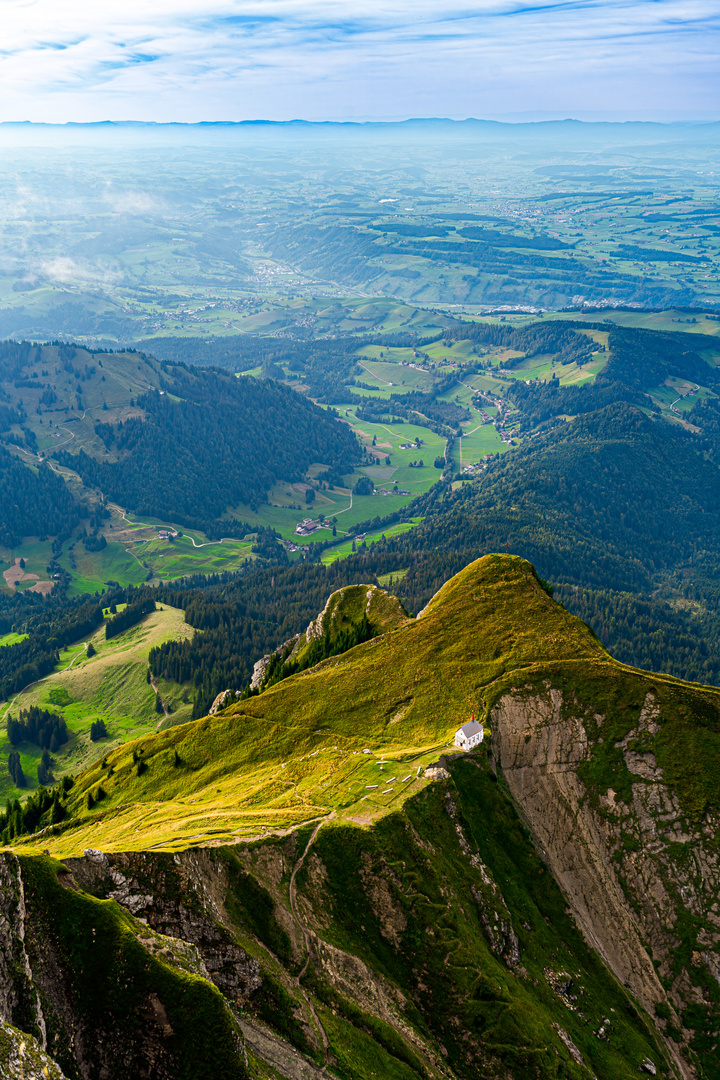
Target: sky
x=194, y=60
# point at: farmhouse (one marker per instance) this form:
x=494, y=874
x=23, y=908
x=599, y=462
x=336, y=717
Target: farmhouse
x=306, y=527
x=469, y=735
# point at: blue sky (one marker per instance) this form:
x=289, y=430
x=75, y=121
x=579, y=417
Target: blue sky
x=191, y=60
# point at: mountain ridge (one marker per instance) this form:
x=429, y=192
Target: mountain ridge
x=570, y=864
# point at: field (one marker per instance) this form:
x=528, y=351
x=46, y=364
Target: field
x=92, y=570
x=343, y=550
x=678, y=396
x=135, y=550
x=110, y=686
x=36, y=554
x=493, y=227
x=396, y=484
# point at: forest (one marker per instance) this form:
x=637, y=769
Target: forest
x=210, y=441
x=131, y=615
x=34, y=502
x=245, y=615
x=47, y=730
x=282, y=666
x=584, y=504
x=50, y=623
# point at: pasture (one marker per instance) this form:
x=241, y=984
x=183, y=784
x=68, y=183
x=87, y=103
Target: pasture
x=36, y=555
x=112, y=686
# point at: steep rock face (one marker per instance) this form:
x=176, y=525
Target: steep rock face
x=539, y=750
x=429, y=946
x=262, y=665
x=633, y=867
x=104, y=995
x=180, y=897
x=19, y=1002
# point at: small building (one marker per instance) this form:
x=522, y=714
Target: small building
x=469, y=735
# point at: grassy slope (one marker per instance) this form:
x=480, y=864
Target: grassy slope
x=295, y=753
x=110, y=686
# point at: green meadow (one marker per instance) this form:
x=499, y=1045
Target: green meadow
x=343, y=550
x=91, y=570
x=110, y=686
x=350, y=738
x=350, y=509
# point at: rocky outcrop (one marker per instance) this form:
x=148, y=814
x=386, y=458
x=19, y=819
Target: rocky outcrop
x=224, y=698
x=492, y=910
x=19, y=1001
x=23, y=1058
x=95, y=993
x=181, y=897
x=261, y=666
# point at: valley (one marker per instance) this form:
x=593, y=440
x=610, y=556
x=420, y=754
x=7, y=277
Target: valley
x=253, y=229
x=328, y=441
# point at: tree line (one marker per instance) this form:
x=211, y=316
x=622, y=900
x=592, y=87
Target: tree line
x=44, y=807
x=225, y=441
x=33, y=502
x=35, y=725
x=130, y=616
x=282, y=665
x=50, y=623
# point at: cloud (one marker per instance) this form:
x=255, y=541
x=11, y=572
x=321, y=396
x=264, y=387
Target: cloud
x=66, y=271
x=132, y=202
x=279, y=59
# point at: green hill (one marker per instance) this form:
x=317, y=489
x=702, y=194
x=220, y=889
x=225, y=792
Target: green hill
x=295, y=753
x=610, y=499
x=111, y=686
x=375, y=902
x=176, y=443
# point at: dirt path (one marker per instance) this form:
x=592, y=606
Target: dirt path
x=683, y=396
x=209, y=543
x=158, y=695
x=460, y=439
x=308, y=939
x=146, y=525
x=346, y=508
x=78, y=657
x=374, y=375
x=20, y=693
